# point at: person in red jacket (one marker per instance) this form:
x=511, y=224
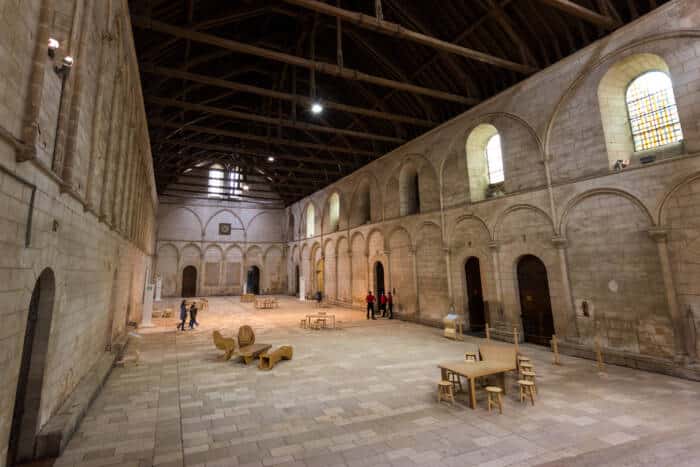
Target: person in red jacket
x=382, y=303
x=370, y=304
x=390, y=302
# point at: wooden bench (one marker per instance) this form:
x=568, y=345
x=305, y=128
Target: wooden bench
x=247, y=298
x=252, y=351
x=270, y=359
x=266, y=303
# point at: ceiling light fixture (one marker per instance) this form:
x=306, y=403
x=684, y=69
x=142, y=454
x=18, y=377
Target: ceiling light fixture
x=316, y=108
x=270, y=159
x=246, y=187
x=53, y=46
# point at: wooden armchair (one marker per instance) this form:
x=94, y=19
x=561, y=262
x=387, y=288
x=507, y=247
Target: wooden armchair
x=227, y=344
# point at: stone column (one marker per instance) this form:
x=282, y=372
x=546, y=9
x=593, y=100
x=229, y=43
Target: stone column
x=449, y=274
x=660, y=236
x=494, y=246
x=412, y=253
x=335, y=276
x=569, y=309
x=388, y=284
x=244, y=272
x=350, y=261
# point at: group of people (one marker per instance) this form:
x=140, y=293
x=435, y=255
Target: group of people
x=385, y=302
x=183, y=316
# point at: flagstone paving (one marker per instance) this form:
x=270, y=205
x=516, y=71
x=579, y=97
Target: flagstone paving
x=365, y=395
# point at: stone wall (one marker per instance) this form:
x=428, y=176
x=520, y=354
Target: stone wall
x=77, y=192
x=189, y=235
x=620, y=246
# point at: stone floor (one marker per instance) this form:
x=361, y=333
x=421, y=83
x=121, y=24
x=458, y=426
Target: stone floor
x=365, y=395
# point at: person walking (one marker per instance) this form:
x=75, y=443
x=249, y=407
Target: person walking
x=382, y=303
x=370, y=304
x=390, y=303
x=193, y=316
x=183, y=315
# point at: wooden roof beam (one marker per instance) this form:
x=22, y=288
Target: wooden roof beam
x=321, y=67
x=246, y=88
x=158, y=123
x=583, y=13
x=267, y=120
x=395, y=30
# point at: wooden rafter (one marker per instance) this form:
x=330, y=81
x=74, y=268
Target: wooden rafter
x=578, y=11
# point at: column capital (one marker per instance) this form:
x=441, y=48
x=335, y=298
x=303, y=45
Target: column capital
x=658, y=234
x=387, y=252
x=494, y=245
x=559, y=241
x=411, y=251
x=446, y=250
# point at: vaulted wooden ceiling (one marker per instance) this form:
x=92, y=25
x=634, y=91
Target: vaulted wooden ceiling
x=231, y=82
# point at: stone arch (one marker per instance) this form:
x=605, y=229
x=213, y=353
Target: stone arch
x=233, y=248
x=409, y=190
x=310, y=207
x=254, y=250
x=520, y=207
x=465, y=218
x=370, y=235
x=27, y=408
x=295, y=253
x=167, y=267
x=329, y=224
x=595, y=65
x=662, y=206
x=212, y=248
x=355, y=235
x=168, y=246
x=190, y=247
x=290, y=226
x=366, y=203
x=603, y=191
x=343, y=289
x=431, y=268
x=227, y=211
x=265, y=227
x=391, y=198
x=178, y=220
x=396, y=231
x=612, y=101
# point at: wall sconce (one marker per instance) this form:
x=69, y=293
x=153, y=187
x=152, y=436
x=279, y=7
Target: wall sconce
x=66, y=65
x=53, y=46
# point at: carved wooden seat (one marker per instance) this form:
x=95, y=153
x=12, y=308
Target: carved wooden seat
x=227, y=344
x=269, y=359
x=246, y=336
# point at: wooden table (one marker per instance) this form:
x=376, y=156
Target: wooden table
x=473, y=370
x=319, y=316
x=251, y=352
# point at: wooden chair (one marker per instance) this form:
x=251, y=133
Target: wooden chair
x=246, y=336
x=270, y=358
x=527, y=390
x=303, y=323
x=455, y=380
x=445, y=392
x=530, y=376
x=494, y=393
x=471, y=357
x=227, y=344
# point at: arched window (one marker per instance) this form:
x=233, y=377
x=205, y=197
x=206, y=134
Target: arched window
x=334, y=211
x=216, y=181
x=310, y=220
x=652, y=111
x=494, y=159
x=409, y=190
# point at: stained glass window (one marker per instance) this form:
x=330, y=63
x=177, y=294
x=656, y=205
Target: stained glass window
x=652, y=111
x=494, y=159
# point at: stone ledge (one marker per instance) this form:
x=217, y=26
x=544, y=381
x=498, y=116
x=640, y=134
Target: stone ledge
x=631, y=360
x=54, y=436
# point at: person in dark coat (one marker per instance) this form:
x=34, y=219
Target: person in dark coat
x=183, y=315
x=193, y=316
x=370, y=304
x=390, y=303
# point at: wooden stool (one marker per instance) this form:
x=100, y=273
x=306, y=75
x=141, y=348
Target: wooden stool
x=445, y=392
x=494, y=393
x=303, y=323
x=526, y=366
x=523, y=359
x=527, y=390
x=470, y=356
x=316, y=324
x=530, y=376
x=455, y=380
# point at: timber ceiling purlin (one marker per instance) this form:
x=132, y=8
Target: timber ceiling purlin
x=231, y=81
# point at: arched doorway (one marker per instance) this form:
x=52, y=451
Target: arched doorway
x=253, y=280
x=296, y=280
x=475, y=297
x=319, y=275
x=25, y=418
x=378, y=278
x=189, y=281
x=535, y=304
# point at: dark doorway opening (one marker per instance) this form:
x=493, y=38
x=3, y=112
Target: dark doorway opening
x=296, y=280
x=475, y=297
x=378, y=278
x=189, y=281
x=535, y=304
x=253, y=280
x=25, y=418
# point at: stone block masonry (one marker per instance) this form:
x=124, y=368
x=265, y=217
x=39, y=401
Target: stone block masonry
x=81, y=169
